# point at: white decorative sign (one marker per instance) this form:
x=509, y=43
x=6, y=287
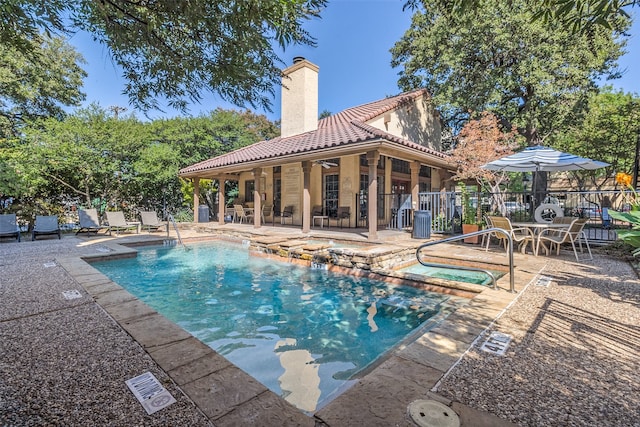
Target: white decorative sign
x=71, y=294
x=497, y=343
x=543, y=281
x=150, y=393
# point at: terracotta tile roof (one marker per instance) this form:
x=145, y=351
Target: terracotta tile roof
x=346, y=127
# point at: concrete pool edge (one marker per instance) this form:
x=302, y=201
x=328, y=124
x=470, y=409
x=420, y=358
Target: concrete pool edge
x=227, y=395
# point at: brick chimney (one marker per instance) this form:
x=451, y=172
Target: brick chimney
x=299, y=98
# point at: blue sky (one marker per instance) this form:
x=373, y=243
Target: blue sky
x=352, y=35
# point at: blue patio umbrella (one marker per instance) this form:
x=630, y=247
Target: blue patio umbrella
x=542, y=159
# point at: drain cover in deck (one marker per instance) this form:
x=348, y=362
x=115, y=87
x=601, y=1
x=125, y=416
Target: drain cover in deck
x=430, y=413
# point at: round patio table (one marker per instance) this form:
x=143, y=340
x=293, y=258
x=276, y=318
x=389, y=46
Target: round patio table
x=537, y=228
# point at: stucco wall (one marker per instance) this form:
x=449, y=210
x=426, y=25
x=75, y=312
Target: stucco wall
x=417, y=122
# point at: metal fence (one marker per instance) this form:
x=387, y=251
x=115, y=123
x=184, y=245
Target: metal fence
x=446, y=209
x=395, y=211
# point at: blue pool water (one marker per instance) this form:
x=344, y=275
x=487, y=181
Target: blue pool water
x=303, y=333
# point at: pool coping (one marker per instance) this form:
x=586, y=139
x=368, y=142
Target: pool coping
x=228, y=395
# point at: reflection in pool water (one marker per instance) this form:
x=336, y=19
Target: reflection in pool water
x=303, y=333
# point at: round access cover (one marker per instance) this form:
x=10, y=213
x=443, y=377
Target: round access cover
x=430, y=413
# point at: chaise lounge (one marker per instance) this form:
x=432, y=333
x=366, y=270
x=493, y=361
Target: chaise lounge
x=89, y=222
x=150, y=222
x=9, y=226
x=46, y=225
x=117, y=223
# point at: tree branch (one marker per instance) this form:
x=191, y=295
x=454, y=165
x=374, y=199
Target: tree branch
x=67, y=184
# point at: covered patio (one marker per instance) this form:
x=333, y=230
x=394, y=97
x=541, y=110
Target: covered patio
x=336, y=164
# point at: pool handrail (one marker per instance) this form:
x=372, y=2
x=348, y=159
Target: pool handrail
x=175, y=227
x=475, y=233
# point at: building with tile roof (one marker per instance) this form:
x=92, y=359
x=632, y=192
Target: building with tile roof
x=390, y=146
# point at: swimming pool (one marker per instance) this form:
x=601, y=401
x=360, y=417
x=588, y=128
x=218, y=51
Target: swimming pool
x=303, y=333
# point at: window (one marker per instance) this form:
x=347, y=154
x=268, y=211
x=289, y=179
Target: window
x=331, y=194
x=277, y=195
x=425, y=171
x=399, y=187
x=249, y=187
x=362, y=199
x=400, y=166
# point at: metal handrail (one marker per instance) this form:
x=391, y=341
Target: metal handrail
x=175, y=227
x=475, y=233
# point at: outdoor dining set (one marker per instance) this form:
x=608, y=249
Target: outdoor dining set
x=540, y=235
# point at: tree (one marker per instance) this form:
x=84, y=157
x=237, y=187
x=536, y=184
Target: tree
x=87, y=156
x=205, y=136
x=607, y=131
x=97, y=158
x=584, y=15
x=480, y=141
x=579, y=15
x=496, y=58
x=533, y=74
x=176, y=49
x=39, y=83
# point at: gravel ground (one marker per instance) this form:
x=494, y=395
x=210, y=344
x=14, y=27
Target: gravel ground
x=574, y=357
x=65, y=362
x=573, y=360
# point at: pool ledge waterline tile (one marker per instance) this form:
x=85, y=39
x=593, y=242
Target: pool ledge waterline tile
x=154, y=331
x=222, y=391
x=179, y=353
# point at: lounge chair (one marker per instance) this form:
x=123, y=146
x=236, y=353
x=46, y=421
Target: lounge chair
x=574, y=232
x=523, y=236
x=117, y=223
x=9, y=226
x=46, y=225
x=89, y=222
x=151, y=222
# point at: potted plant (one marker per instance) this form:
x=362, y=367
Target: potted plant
x=470, y=221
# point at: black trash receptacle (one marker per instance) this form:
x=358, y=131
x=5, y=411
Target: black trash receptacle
x=203, y=213
x=421, y=225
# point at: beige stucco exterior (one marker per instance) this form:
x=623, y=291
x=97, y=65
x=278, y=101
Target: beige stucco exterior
x=299, y=98
x=418, y=122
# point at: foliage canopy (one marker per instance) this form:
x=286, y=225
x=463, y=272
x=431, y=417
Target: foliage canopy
x=606, y=131
x=578, y=15
x=93, y=159
x=496, y=57
x=39, y=83
x=175, y=50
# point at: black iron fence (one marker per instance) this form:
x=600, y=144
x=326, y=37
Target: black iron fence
x=396, y=211
x=446, y=209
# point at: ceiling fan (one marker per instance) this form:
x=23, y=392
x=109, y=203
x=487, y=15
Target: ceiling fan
x=325, y=164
